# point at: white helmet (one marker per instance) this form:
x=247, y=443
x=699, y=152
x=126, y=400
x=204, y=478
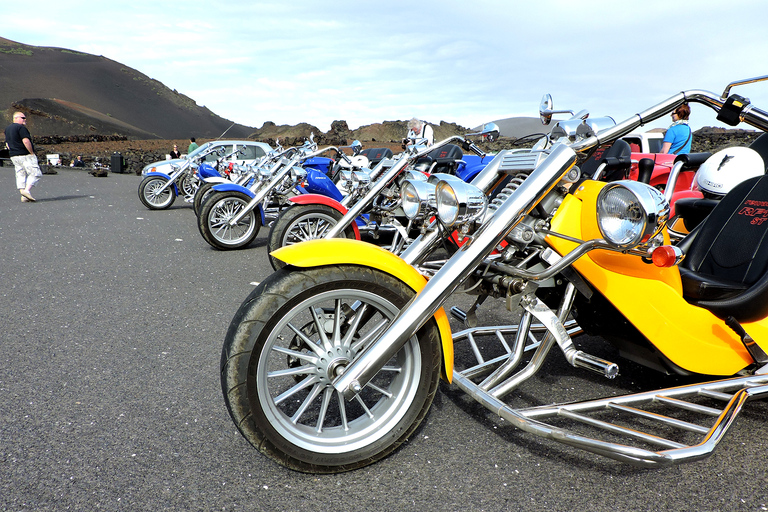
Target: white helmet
x=727, y=168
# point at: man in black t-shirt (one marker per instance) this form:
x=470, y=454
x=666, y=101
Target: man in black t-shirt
x=22, y=153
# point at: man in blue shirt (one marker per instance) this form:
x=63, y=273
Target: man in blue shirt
x=677, y=139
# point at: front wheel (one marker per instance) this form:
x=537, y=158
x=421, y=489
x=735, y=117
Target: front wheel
x=293, y=335
x=215, y=216
x=303, y=222
x=150, y=195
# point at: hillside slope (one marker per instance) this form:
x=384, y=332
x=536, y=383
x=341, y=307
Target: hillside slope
x=74, y=93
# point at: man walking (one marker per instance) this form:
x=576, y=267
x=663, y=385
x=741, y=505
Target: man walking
x=22, y=152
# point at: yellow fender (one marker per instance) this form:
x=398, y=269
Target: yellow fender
x=342, y=251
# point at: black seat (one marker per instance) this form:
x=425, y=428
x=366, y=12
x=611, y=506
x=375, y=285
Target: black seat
x=376, y=155
x=726, y=265
x=443, y=159
x=617, y=157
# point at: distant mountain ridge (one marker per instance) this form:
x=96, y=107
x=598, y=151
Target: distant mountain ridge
x=70, y=93
x=75, y=93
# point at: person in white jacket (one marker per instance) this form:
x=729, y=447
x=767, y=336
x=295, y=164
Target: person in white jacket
x=419, y=133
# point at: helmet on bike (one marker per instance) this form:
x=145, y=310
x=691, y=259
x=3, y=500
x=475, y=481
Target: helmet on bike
x=727, y=168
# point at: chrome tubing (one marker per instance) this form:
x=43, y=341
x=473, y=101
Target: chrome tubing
x=173, y=177
x=751, y=115
x=262, y=193
x=382, y=182
x=423, y=244
x=421, y=308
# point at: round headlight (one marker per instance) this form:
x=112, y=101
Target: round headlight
x=298, y=173
x=630, y=213
x=417, y=198
x=360, y=178
x=459, y=202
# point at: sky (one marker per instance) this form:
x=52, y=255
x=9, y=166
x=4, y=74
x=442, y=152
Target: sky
x=465, y=62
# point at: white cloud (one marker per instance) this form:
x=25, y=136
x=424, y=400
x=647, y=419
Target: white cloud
x=366, y=62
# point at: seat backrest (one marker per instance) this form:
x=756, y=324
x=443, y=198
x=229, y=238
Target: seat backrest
x=760, y=145
x=618, y=151
x=733, y=241
x=446, y=154
x=375, y=155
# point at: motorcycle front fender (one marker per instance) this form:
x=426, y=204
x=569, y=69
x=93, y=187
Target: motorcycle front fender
x=342, y=251
x=233, y=187
x=319, y=199
x=326, y=201
x=216, y=179
x=157, y=173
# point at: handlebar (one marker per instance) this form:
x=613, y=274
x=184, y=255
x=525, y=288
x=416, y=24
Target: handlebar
x=745, y=112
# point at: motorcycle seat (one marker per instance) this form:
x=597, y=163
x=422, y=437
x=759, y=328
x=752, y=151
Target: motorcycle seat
x=376, y=155
x=617, y=157
x=442, y=159
x=726, y=265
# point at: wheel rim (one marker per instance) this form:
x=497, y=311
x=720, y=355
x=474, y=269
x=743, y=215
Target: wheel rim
x=188, y=186
x=224, y=211
x=152, y=194
x=297, y=365
x=308, y=228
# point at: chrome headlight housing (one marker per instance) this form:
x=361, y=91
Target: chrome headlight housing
x=298, y=174
x=630, y=213
x=418, y=198
x=360, y=178
x=459, y=202
x=415, y=175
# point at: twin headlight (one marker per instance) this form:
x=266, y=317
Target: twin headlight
x=453, y=200
x=630, y=213
x=351, y=180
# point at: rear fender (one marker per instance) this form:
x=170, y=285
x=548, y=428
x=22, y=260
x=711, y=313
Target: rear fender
x=340, y=251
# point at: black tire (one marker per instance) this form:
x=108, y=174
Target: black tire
x=213, y=221
x=201, y=195
x=147, y=189
x=188, y=185
x=303, y=222
x=265, y=362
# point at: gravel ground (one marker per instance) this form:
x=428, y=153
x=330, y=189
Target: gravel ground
x=113, y=320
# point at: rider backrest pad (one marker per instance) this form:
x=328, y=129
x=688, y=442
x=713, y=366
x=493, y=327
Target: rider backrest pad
x=731, y=250
x=446, y=154
x=619, y=151
x=376, y=155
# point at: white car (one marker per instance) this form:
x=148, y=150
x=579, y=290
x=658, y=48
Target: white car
x=253, y=151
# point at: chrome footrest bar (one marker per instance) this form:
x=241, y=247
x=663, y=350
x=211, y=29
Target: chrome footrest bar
x=624, y=409
x=500, y=333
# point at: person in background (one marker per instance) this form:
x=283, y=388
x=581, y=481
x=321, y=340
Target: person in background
x=175, y=153
x=677, y=139
x=78, y=162
x=18, y=140
x=419, y=132
x=192, y=145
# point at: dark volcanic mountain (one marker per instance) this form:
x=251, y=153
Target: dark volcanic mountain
x=73, y=93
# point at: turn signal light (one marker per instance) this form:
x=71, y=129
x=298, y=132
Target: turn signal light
x=666, y=256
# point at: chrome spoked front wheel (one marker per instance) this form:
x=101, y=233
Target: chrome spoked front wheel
x=215, y=219
x=151, y=195
x=283, y=400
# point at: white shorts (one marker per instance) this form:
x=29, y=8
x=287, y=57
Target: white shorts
x=28, y=172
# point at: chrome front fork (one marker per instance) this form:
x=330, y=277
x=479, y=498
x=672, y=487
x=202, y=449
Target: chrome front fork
x=448, y=279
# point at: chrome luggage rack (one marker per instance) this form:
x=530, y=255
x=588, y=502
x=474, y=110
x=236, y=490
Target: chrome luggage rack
x=650, y=429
